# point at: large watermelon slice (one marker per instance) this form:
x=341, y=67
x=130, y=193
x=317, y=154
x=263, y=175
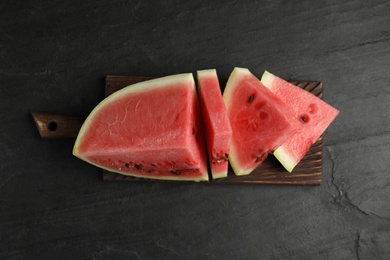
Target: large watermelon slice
x=313, y=114
x=216, y=122
x=260, y=121
x=151, y=129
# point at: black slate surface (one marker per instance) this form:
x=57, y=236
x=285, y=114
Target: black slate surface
x=54, y=56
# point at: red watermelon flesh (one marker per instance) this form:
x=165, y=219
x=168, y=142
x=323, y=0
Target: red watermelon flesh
x=151, y=129
x=260, y=121
x=313, y=115
x=216, y=122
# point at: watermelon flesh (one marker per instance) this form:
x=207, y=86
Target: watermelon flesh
x=313, y=115
x=260, y=121
x=216, y=122
x=151, y=129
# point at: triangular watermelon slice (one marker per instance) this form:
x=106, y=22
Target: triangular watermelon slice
x=216, y=122
x=151, y=129
x=313, y=114
x=260, y=121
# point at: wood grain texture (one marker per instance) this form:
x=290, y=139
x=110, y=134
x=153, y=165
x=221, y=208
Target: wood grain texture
x=307, y=172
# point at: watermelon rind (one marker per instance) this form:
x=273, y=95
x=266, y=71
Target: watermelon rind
x=285, y=158
x=267, y=79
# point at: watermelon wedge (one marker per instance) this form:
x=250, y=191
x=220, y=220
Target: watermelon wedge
x=216, y=122
x=260, y=121
x=151, y=129
x=313, y=114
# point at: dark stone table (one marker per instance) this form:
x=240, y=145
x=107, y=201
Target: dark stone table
x=54, y=56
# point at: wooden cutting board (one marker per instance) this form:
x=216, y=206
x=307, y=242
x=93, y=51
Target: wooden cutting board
x=307, y=172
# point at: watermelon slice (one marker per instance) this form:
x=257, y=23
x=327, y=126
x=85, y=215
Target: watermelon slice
x=260, y=121
x=313, y=114
x=216, y=122
x=151, y=129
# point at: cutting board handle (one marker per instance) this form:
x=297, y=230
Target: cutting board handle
x=53, y=126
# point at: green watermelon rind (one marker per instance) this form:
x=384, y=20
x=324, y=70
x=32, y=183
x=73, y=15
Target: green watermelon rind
x=267, y=79
x=285, y=158
x=137, y=88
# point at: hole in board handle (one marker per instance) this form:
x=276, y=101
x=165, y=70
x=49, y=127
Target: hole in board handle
x=52, y=126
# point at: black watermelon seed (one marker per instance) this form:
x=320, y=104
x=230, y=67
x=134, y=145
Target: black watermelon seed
x=305, y=118
x=251, y=98
x=176, y=172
